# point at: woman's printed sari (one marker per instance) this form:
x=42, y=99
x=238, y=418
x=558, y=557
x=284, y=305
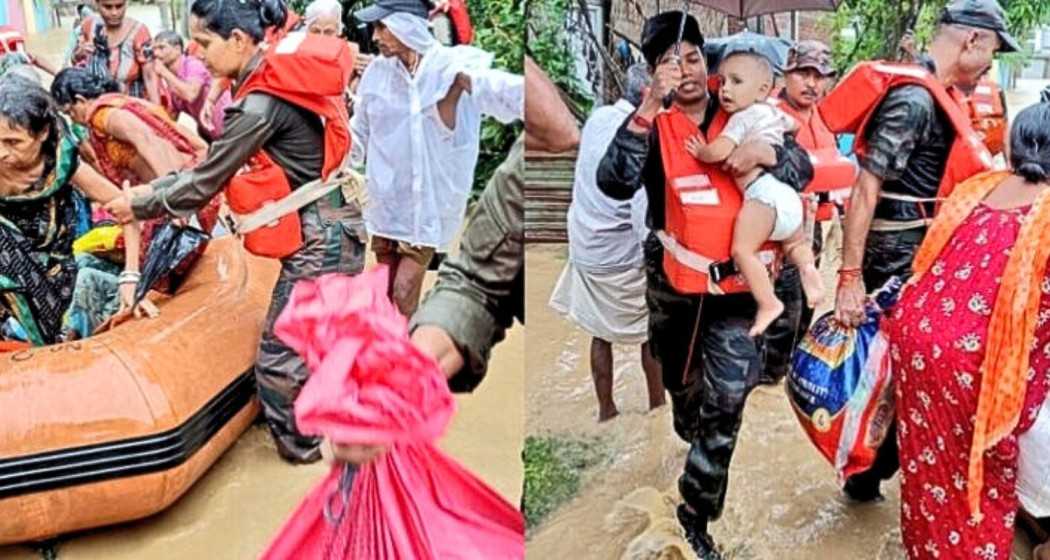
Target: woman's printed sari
x=37, y=269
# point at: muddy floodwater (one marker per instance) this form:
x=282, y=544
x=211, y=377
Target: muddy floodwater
x=783, y=503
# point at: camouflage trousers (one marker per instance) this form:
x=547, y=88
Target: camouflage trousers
x=710, y=365
x=333, y=241
x=787, y=331
x=887, y=254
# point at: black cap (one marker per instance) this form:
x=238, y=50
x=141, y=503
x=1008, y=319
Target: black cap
x=984, y=14
x=383, y=8
x=660, y=33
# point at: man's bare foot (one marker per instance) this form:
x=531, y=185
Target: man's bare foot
x=812, y=285
x=606, y=415
x=765, y=317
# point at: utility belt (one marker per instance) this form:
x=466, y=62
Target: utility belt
x=880, y=224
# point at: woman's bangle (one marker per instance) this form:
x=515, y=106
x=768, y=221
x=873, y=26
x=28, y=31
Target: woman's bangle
x=129, y=277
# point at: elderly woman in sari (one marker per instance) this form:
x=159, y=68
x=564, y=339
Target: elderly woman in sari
x=970, y=342
x=39, y=167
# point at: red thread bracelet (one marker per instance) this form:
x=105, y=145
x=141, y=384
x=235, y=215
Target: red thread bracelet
x=642, y=122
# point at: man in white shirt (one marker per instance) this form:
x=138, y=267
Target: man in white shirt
x=417, y=127
x=602, y=288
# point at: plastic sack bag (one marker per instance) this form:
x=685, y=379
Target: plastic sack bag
x=100, y=241
x=1033, y=473
x=369, y=384
x=841, y=386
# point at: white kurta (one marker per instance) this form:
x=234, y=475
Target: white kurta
x=419, y=172
x=602, y=288
x=604, y=234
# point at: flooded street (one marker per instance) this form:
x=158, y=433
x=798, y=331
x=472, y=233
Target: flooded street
x=783, y=499
x=783, y=503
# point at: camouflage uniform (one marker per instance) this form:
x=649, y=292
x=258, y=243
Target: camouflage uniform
x=707, y=334
x=481, y=290
x=908, y=144
x=333, y=234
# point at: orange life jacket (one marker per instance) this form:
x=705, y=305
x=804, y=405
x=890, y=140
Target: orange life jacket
x=988, y=115
x=311, y=72
x=461, y=25
x=833, y=174
x=851, y=105
x=11, y=40
x=701, y=204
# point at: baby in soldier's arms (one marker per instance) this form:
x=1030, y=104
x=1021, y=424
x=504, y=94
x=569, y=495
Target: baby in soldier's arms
x=772, y=210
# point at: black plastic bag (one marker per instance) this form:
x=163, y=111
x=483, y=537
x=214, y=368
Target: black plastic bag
x=172, y=253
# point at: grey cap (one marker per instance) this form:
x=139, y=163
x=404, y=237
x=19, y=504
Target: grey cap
x=984, y=14
x=384, y=8
x=773, y=49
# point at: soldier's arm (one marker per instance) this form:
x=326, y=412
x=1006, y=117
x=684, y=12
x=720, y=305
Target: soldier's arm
x=549, y=125
x=891, y=138
x=480, y=291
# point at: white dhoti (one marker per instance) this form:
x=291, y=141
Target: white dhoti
x=607, y=305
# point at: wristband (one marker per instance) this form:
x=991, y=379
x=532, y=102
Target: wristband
x=642, y=122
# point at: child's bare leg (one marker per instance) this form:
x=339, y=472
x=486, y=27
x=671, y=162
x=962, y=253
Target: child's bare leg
x=753, y=225
x=799, y=250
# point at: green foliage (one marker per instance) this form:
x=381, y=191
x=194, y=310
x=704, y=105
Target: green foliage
x=499, y=28
x=553, y=471
x=871, y=29
x=548, y=45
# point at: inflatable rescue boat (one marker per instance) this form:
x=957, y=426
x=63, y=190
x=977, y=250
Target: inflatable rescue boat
x=119, y=426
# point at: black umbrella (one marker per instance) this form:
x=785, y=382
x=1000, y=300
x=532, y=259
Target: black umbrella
x=173, y=250
x=752, y=8
x=773, y=48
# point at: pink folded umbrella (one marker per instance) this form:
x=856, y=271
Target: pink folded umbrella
x=371, y=385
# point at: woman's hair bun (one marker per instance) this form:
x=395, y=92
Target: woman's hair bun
x=1033, y=171
x=272, y=13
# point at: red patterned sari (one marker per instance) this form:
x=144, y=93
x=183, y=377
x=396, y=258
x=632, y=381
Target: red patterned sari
x=938, y=333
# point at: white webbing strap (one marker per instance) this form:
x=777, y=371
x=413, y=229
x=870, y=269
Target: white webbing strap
x=907, y=198
x=299, y=198
x=690, y=259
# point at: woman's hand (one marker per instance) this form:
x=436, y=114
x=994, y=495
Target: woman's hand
x=145, y=308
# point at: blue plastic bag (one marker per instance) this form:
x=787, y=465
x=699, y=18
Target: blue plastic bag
x=841, y=386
